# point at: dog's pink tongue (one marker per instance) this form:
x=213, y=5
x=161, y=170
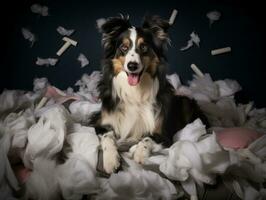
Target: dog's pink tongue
x=133, y=79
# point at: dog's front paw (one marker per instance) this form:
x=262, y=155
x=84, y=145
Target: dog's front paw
x=111, y=161
x=141, y=153
x=143, y=150
x=111, y=158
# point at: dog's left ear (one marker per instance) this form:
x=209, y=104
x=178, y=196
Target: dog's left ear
x=159, y=28
x=111, y=28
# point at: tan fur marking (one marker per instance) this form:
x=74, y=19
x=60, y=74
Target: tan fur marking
x=126, y=42
x=118, y=64
x=104, y=115
x=140, y=41
x=152, y=64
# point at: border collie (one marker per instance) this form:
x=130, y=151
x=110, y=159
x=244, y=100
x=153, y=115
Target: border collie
x=137, y=99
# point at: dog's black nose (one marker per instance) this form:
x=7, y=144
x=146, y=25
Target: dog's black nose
x=132, y=66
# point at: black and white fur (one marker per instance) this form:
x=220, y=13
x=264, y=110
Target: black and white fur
x=137, y=99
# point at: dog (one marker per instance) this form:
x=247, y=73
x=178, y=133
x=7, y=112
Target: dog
x=138, y=102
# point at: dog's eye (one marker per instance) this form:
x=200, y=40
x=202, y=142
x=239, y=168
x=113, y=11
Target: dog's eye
x=124, y=48
x=144, y=48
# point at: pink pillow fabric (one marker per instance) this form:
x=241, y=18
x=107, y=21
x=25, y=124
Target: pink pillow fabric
x=236, y=138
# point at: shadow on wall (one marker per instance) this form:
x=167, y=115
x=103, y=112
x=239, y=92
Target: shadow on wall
x=240, y=27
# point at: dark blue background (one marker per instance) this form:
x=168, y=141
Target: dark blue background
x=240, y=27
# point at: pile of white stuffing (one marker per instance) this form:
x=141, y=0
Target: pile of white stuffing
x=37, y=125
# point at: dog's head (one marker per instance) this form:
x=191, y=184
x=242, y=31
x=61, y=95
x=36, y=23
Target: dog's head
x=135, y=50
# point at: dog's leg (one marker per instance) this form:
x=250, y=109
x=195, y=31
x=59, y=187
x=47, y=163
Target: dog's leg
x=111, y=158
x=143, y=149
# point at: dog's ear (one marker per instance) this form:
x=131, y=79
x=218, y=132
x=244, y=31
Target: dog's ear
x=159, y=28
x=111, y=28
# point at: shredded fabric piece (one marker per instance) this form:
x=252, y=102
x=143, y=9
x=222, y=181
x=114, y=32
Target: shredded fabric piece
x=100, y=22
x=39, y=84
x=28, y=35
x=59, y=96
x=46, y=138
x=88, y=86
x=194, y=39
x=46, y=61
x=42, y=183
x=16, y=100
x=83, y=60
x=213, y=16
x=80, y=169
x=82, y=110
x=6, y=174
x=174, y=80
x=204, y=89
x=227, y=87
x=137, y=184
x=38, y=9
x=65, y=32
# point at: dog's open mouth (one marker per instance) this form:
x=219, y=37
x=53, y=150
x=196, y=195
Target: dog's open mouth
x=133, y=78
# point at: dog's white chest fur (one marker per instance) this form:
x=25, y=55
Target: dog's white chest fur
x=136, y=112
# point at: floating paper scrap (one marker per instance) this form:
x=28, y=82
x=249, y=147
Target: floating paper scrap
x=100, y=22
x=220, y=51
x=194, y=38
x=61, y=30
x=38, y=9
x=28, y=35
x=213, y=16
x=46, y=61
x=196, y=70
x=83, y=60
x=173, y=16
x=40, y=84
x=174, y=80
